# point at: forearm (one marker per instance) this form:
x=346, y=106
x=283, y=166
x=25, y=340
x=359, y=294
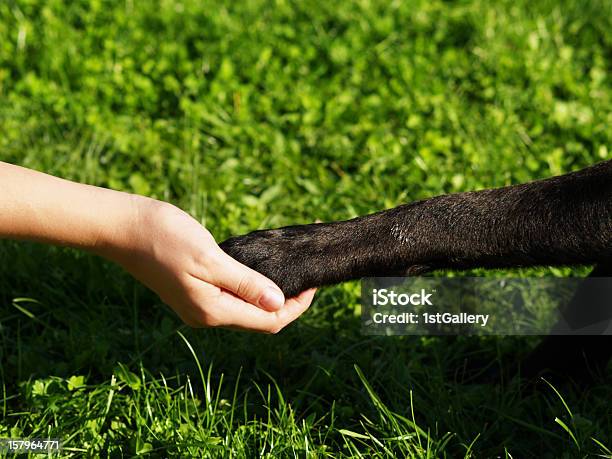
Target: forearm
x=39, y=207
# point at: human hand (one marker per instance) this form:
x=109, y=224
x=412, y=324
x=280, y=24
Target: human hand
x=175, y=256
x=159, y=244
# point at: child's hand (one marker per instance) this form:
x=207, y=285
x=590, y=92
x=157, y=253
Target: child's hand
x=159, y=244
x=175, y=256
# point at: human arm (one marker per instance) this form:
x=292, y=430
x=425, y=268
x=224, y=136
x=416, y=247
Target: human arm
x=159, y=244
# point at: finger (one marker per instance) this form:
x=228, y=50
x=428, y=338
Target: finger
x=305, y=298
x=246, y=283
x=236, y=313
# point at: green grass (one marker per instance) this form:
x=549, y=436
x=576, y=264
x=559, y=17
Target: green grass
x=259, y=114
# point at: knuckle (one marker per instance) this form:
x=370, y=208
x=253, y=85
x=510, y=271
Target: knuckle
x=190, y=288
x=245, y=286
x=206, y=267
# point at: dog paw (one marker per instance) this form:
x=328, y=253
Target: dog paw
x=282, y=255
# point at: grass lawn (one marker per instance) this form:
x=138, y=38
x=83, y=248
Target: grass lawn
x=266, y=113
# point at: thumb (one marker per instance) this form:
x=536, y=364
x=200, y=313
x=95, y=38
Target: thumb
x=247, y=283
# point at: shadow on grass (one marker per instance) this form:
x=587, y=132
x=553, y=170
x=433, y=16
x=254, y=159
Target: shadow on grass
x=66, y=313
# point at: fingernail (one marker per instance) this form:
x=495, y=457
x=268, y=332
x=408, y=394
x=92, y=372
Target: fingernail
x=272, y=298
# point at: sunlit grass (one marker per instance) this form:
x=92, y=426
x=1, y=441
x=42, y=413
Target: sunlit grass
x=260, y=114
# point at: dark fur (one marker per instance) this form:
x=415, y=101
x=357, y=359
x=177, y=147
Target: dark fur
x=564, y=220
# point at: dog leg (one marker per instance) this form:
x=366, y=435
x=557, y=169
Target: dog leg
x=564, y=220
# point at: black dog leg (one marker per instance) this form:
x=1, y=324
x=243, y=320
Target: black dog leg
x=565, y=220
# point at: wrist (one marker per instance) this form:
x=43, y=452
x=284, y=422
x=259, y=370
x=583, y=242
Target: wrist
x=119, y=235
